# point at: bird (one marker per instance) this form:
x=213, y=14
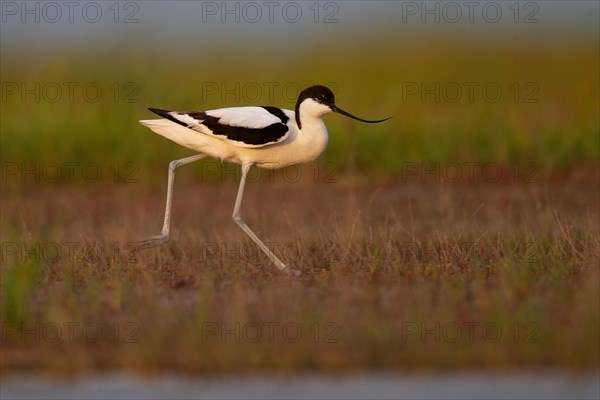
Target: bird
x=264, y=137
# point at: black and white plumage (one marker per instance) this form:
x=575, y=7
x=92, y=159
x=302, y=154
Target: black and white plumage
x=249, y=127
x=266, y=137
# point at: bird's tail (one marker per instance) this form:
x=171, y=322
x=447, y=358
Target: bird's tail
x=177, y=133
x=160, y=126
x=165, y=128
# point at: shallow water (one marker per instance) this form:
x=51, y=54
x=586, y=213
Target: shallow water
x=313, y=386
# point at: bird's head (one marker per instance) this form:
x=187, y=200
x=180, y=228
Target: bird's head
x=319, y=100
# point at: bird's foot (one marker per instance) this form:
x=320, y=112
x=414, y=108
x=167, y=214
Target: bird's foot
x=295, y=272
x=284, y=268
x=151, y=241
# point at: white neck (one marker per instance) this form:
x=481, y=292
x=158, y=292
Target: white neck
x=310, y=113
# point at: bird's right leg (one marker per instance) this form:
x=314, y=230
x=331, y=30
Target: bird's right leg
x=237, y=217
x=156, y=240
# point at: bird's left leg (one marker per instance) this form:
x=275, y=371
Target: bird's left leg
x=156, y=240
x=237, y=217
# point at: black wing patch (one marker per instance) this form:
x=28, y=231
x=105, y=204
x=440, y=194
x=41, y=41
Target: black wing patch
x=278, y=112
x=166, y=114
x=250, y=136
x=255, y=136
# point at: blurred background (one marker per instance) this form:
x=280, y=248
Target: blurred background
x=489, y=81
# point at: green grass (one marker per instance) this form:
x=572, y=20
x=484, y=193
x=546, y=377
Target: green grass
x=559, y=128
x=20, y=283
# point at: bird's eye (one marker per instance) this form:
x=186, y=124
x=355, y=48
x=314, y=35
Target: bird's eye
x=320, y=97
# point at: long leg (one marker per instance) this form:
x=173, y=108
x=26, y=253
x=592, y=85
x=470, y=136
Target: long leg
x=237, y=217
x=156, y=240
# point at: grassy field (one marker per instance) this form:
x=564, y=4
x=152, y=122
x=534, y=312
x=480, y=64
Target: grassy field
x=405, y=275
x=463, y=234
x=480, y=107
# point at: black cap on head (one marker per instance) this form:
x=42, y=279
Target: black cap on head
x=319, y=93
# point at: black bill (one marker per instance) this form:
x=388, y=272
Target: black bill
x=347, y=114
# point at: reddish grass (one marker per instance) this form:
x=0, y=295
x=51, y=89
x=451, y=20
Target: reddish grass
x=392, y=272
